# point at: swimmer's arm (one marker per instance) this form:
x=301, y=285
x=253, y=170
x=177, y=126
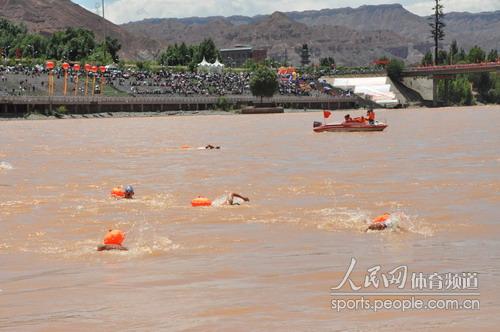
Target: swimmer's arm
x=376, y=227
x=233, y=195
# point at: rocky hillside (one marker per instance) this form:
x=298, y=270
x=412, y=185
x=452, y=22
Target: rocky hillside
x=47, y=16
x=352, y=36
x=283, y=36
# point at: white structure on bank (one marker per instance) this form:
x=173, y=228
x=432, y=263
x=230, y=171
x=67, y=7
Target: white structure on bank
x=204, y=66
x=217, y=67
x=377, y=89
x=207, y=67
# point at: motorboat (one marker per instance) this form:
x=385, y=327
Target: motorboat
x=350, y=126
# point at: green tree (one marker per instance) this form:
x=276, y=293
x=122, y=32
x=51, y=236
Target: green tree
x=271, y=63
x=143, y=65
x=55, y=47
x=207, y=50
x=452, y=54
x=250, y=65
x=171, y=56
x=264, y=82
x=10, y=37
x=395, y=69
x=476, y=55
x=442, y=58
x=184, y=54
x=461, y=56
x=427, y=60
x=437, y=27
x=72, y=44
x=100, y=56
x=493, y=56
x=482, y=83
x=113, y=46
x=327, y=62
x=33, y=46
x=457, y=92
x=494, y=93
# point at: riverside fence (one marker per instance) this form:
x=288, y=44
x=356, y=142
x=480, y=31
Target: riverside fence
x=21, y=105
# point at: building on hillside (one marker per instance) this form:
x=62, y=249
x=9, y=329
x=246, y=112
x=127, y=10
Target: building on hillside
x=238, y=55
x=259, y=55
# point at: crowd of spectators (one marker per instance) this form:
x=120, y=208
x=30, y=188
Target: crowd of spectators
x=22, y=80
x=180, y=84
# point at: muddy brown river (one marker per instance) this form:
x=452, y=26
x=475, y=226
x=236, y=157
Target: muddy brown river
x=269, y=264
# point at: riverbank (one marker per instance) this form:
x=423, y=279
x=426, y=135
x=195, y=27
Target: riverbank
x=118, y=115
x=110, y=115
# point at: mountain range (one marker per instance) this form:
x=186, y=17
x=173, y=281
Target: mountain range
x=352, y=36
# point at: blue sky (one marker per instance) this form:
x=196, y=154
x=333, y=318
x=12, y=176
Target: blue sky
x=121, y=11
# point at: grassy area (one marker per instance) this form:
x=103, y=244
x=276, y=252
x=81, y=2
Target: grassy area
x=111, y=91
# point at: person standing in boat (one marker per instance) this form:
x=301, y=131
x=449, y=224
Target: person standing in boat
x=370, y=114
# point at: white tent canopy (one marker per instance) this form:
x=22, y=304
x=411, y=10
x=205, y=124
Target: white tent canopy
x=206, y=67
x=203, y=63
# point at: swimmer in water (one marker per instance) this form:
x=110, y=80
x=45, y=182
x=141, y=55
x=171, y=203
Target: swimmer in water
x=108, y=247
x=129, y=192
x=113, y=241
x=120, y=192
x=209, y=147
x=380, y=223
x=230, y=199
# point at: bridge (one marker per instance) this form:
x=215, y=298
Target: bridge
x=450, y=70
x=446, y=72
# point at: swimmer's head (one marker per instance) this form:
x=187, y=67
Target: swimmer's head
x=129, y=191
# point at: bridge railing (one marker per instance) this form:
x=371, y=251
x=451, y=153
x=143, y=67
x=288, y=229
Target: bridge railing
x=453, y=67
x=168, y=100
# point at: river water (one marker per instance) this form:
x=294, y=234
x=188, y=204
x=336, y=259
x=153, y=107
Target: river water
x=269, y=264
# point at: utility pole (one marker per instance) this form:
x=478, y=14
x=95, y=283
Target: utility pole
x=103, y=22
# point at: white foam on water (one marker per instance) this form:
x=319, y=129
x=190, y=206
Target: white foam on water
x=219, y=201
x=342, y=219
x=5, y=165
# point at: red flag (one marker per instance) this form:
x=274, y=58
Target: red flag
x=326, y=114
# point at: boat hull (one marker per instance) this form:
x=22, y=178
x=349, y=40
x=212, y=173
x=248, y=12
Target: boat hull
x=349, y=127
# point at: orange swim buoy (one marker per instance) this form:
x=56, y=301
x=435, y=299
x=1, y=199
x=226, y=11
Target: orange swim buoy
x=201, y=201
x=185, y=147
x=382, y=218
x=114, y=237
x=117, y=192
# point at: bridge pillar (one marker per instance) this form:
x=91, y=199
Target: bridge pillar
x=434, y=92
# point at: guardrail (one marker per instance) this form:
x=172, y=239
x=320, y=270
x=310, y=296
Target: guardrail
x=451, y=69
x=71, y=100
x=21, y=105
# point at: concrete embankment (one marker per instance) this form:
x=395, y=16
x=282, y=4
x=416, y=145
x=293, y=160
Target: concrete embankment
x=20, y=106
